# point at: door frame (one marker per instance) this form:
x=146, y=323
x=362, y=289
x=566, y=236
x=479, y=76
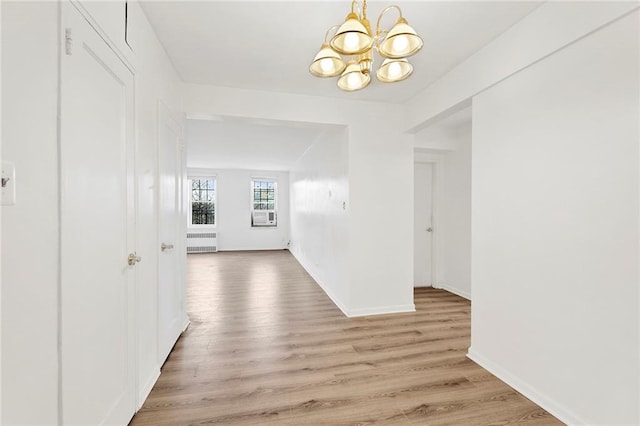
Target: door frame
x=436, y=161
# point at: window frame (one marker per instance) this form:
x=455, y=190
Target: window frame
x=190, y=223
x=276, y=197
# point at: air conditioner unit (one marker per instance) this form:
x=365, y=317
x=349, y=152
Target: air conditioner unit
x=263, y=218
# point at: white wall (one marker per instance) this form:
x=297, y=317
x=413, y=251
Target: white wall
x=1, y=233
x=320, y=216
x=30, y=228
x=378, y=153
x=550, y=27
x=233, y=210
x=156, y=81
x=555, y=229
x=455, y=214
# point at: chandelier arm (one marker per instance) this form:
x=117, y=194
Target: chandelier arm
x=326, y=36
x=361, y=11
x=378, y=32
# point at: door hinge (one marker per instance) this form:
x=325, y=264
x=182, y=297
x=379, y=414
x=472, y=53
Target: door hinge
x=67, y=41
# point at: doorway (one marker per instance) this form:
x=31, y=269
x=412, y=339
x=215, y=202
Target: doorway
x=423, y=224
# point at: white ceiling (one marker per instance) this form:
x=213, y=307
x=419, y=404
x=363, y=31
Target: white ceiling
x=268, y=45
x=233, y=143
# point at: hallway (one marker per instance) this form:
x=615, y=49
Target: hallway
x=267, y=346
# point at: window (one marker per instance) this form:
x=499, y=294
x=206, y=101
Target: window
x=264, y=195
x=263, y=205
x=203, y=201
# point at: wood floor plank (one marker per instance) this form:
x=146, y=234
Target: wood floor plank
x=267, y=346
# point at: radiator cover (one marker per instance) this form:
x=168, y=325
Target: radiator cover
x=202, y=242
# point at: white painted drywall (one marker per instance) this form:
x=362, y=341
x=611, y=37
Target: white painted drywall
x=156, y=81
x=233, y=210
x=226, y=143
x=456, y=214
x=550, y=27
x=1, y=233
x=30, y=227
x=380, y=162
x=555, y=229
x=319, y=211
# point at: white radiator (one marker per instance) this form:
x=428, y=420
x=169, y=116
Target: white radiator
x=202, y=242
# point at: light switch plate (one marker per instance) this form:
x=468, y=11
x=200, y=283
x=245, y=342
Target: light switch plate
x=8, y=196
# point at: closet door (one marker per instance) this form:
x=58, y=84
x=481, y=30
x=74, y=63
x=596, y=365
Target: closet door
x=171, y=228
x=97, y=229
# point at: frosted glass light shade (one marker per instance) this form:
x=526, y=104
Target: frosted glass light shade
x=353, y=79
x=402, y=41
x=393, y=70
x=327, y=63
x=352, y=38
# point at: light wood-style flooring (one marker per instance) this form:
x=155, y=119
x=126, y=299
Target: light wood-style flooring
x=267, y=346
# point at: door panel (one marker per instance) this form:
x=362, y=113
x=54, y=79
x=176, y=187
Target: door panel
x=170, y=295
x=97, y=230
x=423, y=224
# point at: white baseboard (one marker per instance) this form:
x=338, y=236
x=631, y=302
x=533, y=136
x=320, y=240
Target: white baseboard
x=453, y=290
x=146, y=389
x=360, y=312
x=560, y=412
x=185, y=323
x=251, y=248
x=381, y=310
x=336, y=301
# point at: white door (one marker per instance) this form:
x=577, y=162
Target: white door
x=97, y=229
x=422, y=224
x=170, y=228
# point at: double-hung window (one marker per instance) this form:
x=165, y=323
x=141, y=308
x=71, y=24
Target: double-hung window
x=264, y=202
x=203, y=201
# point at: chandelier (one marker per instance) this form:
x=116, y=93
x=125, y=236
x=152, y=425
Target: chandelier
x=355, y=40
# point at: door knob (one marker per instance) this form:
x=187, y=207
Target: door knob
x=429, y=229
x=164, y=246
x=133, y=259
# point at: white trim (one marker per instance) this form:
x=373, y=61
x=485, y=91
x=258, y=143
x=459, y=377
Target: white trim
x=144, y=392
x=380, y=310
x=185, y=324
x=547, y=403
x=359, y=312
x=450, y=289
x=201, y=226
x=113, y=45
x=336, y=301
x=276, y=195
